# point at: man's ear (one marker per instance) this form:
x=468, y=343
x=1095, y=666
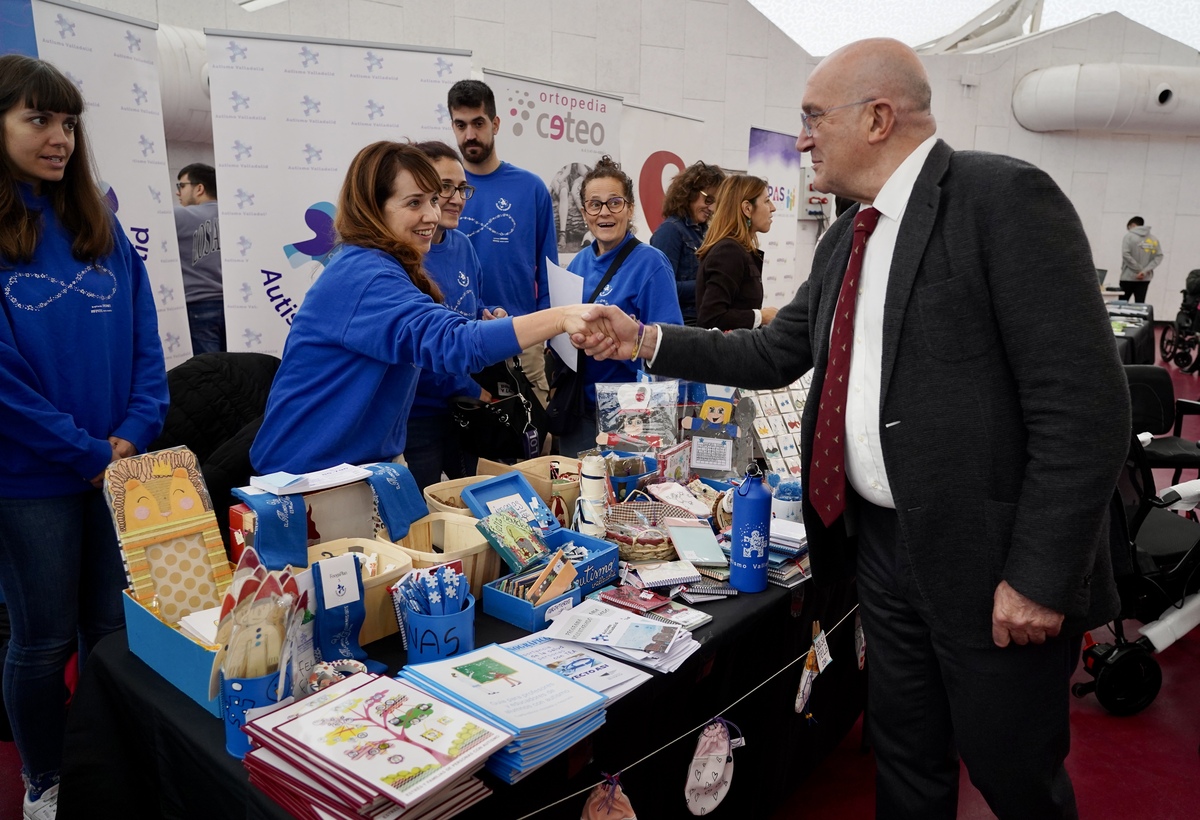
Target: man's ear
x=883, y=120
x=199, y=188
x=496, y=124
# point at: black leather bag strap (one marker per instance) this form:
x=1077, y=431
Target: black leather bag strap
x=616, y=263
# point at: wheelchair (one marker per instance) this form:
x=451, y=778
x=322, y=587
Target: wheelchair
x=1180, y=340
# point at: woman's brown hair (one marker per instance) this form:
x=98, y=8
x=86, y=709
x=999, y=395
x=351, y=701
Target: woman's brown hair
x=697, y=177
x=29, y=83
x=369, y=184
x=727, y=220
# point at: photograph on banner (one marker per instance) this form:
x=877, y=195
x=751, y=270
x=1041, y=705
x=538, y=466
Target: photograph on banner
x=112, y=59
x=655, y=146
x=288, y=117
x=558, y=133
x=773, y=157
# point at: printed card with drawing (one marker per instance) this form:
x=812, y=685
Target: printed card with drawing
x=794, y=466
x=770, y=447
x=788, y=448
x=778, y=425
x=767, y=402
x=513, y=505
x=762, y=427
x=792, y=421
x=397, y=739
x=712, y=453
x=784, y=402
x=504, y=688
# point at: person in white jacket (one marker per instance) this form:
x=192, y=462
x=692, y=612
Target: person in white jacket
x=1141, y=253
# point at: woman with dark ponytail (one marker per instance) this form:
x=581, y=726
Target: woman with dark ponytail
x=373, y=320
x=83, y=383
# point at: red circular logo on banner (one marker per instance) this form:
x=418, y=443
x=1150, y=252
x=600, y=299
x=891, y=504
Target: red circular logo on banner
x=651, y=186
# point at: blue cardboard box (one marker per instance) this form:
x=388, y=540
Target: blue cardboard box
x=600, y=567
x=519, y=612
x=183, y=662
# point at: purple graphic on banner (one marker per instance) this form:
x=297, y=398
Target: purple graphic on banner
x=319, y=219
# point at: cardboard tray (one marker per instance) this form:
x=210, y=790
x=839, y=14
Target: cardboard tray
x=441, y=537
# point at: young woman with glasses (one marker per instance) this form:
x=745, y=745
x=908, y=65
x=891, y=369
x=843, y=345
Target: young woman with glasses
x=432, y=446
x=644, y=285
x=729, y=290
x=374, y=320
x=83, y=380
x=687, y=208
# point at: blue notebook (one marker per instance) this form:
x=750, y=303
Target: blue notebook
x=694, y=541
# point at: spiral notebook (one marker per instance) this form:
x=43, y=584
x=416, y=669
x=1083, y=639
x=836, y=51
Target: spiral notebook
x=694, y=541
x=665, y=573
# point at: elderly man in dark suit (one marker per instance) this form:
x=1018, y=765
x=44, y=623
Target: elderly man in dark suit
x=966, y=424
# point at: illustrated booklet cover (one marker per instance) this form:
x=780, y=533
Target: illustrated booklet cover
x=170, y=542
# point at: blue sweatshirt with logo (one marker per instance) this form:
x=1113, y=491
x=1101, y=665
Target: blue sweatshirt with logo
x=451, y=263
x=644, y=286
x=510, y=221
x=80, y=360
x=351, y=363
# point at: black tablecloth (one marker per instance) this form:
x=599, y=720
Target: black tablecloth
x=1136, y=344
x=137, y=747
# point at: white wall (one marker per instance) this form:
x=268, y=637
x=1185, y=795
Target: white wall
x=1108, y=176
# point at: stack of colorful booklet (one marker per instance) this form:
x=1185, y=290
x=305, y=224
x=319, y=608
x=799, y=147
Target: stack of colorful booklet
x=624, y=635
x=544, y=712
x=375, y=746
x=607, y=676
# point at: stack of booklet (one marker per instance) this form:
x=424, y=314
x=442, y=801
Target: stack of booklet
x=544, y=712
x=607, y=676
x=371, y=746
x=788, y=554
x=623, y=635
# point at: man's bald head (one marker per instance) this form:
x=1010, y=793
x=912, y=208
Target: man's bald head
x=883, y=68
x=868, y=109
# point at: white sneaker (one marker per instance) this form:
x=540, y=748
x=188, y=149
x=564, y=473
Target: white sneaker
x=45, y=807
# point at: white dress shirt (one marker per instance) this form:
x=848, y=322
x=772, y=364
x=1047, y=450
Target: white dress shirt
x=864, y=451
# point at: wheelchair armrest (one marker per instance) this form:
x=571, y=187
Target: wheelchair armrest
x=1184, y=407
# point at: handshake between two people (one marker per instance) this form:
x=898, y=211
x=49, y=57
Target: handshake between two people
x=607, y=332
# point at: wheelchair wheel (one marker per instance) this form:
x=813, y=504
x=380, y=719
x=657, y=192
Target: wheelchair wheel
x=1167, y=342
x=1129, y=685
x=1183, y=357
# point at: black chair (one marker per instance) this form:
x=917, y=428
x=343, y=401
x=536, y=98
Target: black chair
x=217, y=403
x=1158, y=412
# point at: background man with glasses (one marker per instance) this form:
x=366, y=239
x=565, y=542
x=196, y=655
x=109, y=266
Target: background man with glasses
x=509, y=220
x=967, y=421
x=200, y=256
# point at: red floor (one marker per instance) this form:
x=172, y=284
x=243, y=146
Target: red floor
x=1145, y=767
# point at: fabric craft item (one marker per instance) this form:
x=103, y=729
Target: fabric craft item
x=282, y=538
x=397, y=496
x=711, y=771
x=827, y=486
x=608, y=802
x=593, y=496
x=340, y=611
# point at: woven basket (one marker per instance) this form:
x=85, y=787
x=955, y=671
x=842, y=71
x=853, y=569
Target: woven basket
x=636, y=526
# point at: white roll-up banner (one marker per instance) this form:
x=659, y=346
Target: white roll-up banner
x=112, y=59
x=773, y=156
x=558, y=133
x=288, y=117
x=655, y=146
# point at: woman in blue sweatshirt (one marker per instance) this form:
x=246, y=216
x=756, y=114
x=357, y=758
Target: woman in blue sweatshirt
x=644, y=285
x=375, y=319
x=432, y=446
x=83, y=383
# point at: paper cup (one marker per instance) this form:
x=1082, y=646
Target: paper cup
x=431, y=637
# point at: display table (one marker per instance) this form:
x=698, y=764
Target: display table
x=1135, y=344
x=137, y=747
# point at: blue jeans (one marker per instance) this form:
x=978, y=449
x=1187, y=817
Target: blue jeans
x=206, y=321
x=60, y=568
x=431, y=448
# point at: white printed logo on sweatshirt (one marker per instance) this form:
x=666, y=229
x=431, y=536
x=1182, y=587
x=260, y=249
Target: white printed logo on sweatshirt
x=36, y=291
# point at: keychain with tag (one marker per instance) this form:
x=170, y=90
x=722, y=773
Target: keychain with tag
x=860, y=641
x=812, y=668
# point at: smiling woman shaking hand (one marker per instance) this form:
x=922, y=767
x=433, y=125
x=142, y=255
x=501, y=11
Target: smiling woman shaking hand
x=643, y=285
x=373, y=320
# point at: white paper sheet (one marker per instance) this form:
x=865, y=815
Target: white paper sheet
x=566, y=288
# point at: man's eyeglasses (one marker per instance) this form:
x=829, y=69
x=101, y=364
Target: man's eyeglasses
x=465, y=191
x=179, y=186
x=812, y=119
x=615, y=205
x=709, y=199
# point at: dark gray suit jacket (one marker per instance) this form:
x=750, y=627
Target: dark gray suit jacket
x=1004, y=412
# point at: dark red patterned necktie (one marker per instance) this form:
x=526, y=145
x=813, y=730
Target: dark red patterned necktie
x=827, y=477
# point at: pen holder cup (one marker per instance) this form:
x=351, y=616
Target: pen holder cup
x=237, y=696
x=431, y=637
